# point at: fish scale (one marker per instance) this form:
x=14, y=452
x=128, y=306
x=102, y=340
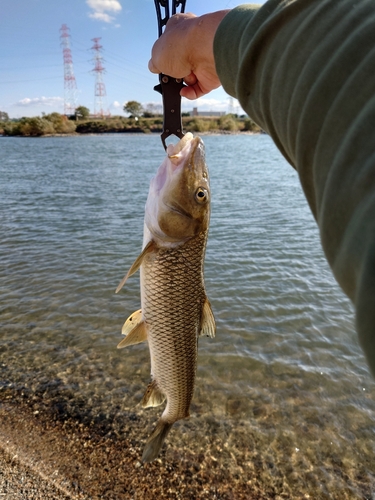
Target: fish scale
x=174, y=294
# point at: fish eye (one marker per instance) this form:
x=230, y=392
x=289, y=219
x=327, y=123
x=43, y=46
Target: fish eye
x=201, y=195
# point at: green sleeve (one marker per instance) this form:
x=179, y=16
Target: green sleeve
x=304, y=71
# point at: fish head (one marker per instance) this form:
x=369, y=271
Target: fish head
x=178, y=204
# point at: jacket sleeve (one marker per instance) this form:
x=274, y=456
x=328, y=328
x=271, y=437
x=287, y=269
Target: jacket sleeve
x=304, y=71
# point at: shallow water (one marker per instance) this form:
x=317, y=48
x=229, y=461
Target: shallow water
x=285, y=377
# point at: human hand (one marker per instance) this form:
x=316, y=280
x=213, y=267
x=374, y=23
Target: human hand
x=185, y=50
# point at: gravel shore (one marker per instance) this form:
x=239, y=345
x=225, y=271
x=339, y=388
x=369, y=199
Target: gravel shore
x=50, y=450
x=46, y=458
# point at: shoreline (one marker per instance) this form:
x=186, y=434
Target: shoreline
x=214, y=133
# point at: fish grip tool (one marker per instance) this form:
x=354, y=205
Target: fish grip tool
x=169, y=87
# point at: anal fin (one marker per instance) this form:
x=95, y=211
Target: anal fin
x=153, y=396
x=208, y=325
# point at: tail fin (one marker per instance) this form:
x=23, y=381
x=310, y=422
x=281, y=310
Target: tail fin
x=155, y=441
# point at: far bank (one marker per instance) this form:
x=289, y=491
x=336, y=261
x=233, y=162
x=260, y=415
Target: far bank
x=57, y=124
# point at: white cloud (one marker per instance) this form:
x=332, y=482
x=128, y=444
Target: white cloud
x=101, y=9
x=116, y=105
x=102, y=5
x=205, y=104
x=102, y=16
x=40, y=101
x=212, y=104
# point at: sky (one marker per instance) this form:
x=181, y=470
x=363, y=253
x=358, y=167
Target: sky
x=31, y=55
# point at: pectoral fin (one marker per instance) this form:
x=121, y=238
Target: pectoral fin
x=137, y=264
x=208, y=326
x=135, y=330
x=133, y=321
x=153, y=395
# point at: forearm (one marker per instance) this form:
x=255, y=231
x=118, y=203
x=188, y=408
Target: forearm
x=303, y=70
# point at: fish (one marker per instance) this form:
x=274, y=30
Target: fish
x=175, y=310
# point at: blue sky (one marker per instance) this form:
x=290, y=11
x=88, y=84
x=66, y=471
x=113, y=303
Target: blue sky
x=32, y=70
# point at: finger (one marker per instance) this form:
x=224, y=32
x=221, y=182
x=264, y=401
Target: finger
x=152, y=67
x=190, y=79
x=192, y=92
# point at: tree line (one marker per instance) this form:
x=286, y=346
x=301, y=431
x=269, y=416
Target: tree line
x=139, y=120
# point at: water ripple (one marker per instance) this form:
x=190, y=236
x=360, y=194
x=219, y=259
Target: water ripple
x=71, y=216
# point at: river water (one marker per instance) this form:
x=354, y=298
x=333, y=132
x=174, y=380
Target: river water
x=285, y=370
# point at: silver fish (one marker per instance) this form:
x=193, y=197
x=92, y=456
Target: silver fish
x=175, y=309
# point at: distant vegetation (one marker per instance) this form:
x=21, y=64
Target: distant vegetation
x=81, y=123
x=51, y=124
